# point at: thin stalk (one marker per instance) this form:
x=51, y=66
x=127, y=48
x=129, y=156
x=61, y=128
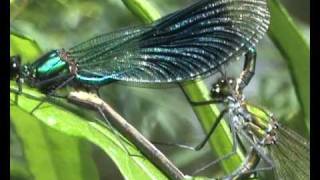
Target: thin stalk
x=127, y=130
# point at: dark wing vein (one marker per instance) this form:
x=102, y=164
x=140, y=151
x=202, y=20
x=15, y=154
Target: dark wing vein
x=182, y=46
x=291, y=156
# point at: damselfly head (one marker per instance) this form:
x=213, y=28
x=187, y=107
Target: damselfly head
x=18, y=71
x=15, y=66
x=223, y=88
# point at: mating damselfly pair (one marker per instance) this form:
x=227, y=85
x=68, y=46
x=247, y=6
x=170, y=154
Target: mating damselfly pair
x=192, y=43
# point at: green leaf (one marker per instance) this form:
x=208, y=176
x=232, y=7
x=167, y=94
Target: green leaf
x=142, y=9
x=295, y=49
x=51, y=154
x=57, y=118
x=197, y=91
x=18, y=170
x=27, y=48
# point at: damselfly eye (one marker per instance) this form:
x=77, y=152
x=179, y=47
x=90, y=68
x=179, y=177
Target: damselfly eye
x=15, y=62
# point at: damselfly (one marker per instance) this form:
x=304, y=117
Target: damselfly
x=282, y=149
x=190, y=43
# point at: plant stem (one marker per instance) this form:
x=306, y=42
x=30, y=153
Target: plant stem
x=294, y=48
x=197, y=91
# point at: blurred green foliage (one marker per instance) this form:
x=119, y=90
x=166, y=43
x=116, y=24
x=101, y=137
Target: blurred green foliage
x=160, y=114
x=55, y=148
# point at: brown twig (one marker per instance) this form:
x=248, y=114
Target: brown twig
x=127, y=130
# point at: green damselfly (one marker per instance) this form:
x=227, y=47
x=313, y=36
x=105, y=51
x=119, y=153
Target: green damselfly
x=283, y=150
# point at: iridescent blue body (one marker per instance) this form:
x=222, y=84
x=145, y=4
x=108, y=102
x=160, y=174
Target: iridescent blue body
x=188, y=44
x=52, y=63
x=97, y=81
x=56, y=63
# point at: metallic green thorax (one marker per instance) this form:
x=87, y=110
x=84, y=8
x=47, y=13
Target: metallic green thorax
x=52, y=64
